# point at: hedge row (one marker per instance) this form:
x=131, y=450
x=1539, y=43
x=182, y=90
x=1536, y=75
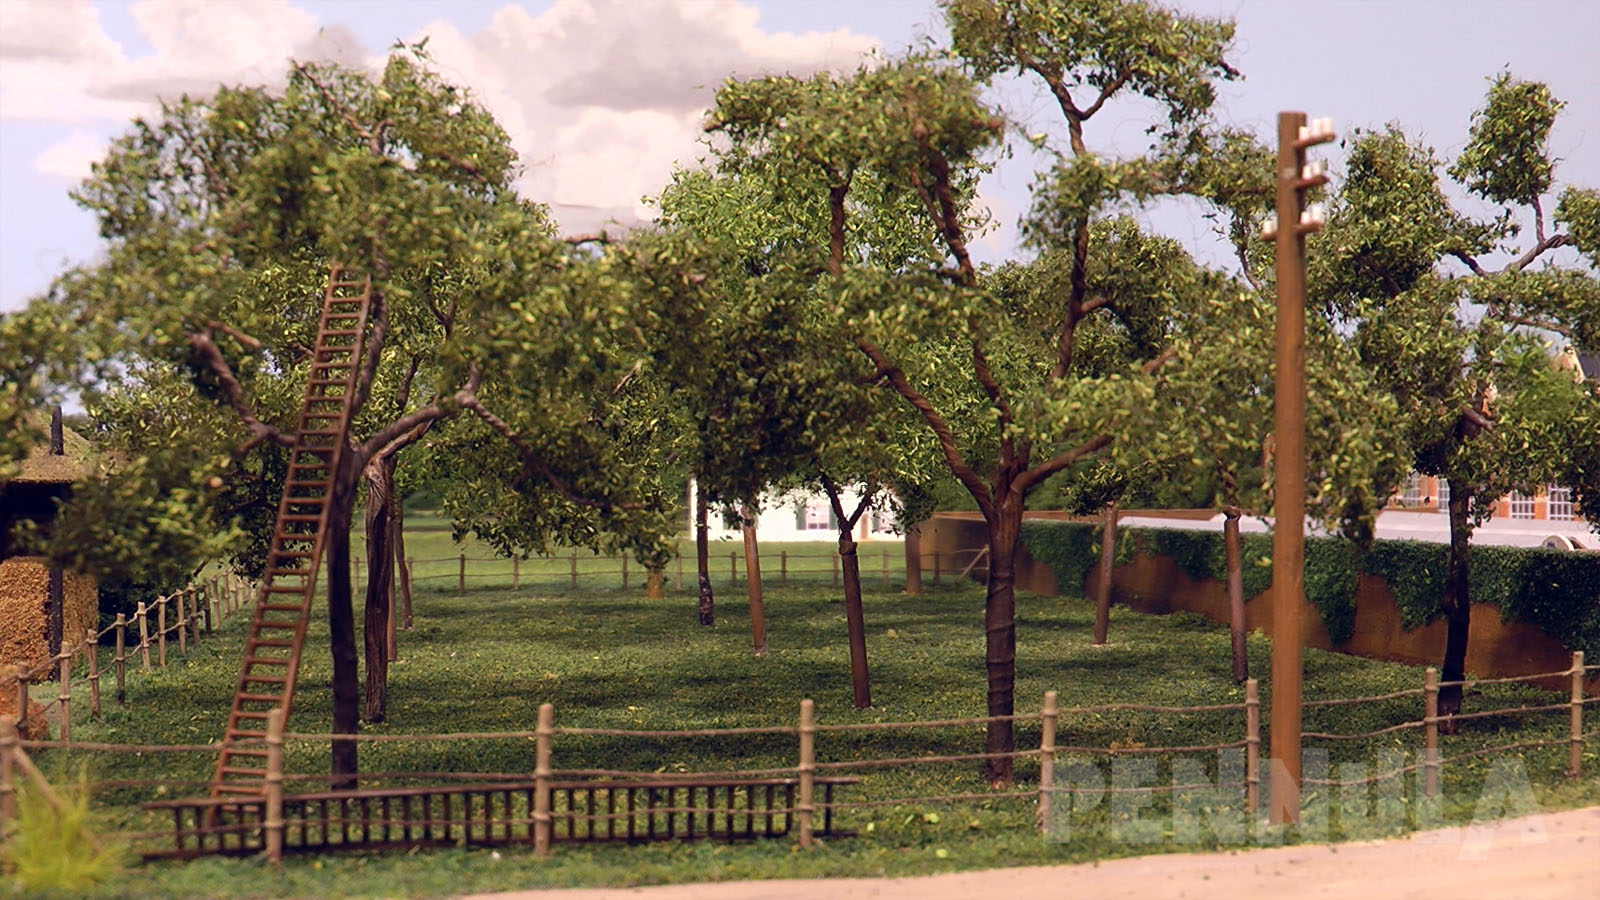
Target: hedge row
x=1555, y=591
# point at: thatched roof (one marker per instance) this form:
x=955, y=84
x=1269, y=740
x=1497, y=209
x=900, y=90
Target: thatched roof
x=41, y=466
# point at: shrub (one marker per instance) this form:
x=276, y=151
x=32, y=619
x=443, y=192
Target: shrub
x=48, y=852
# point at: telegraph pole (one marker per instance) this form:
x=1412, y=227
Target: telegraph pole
x=1293, y=222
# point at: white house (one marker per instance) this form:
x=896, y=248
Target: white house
x=797, y=516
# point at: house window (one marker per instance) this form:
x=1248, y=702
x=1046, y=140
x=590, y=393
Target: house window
x=1560, y=502
x=1521, y=505
x=816, y=516
x=1412, y=496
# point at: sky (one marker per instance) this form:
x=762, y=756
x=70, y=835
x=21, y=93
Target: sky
x=602, y=98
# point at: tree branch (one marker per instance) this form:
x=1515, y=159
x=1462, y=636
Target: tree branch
x=1111, y=87
x=535, y=461
x=593, y=237
x=236, y=334
x=1549, y=243
x=427, y=414
x=1472, y=263
x=366, y=134
x=941, y=429
x=206, y=347
x=372, y=354
x=1027, y=480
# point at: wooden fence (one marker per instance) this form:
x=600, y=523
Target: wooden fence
x=182, y=617
x=881, y=565
x=545, y=805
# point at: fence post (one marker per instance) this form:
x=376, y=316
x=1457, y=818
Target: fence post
x=572, y=570
x=1252, y=745
x=935, y=567
x=1047, y=759
x=516, y=572
x=1430, y=732
x=211, y=601
x=541, y=780
x=8, y=789
x=1575, y=741
x=196, y=601
x=624, y=572
x=273, y=814
x=144, y=634
x=411, y=576
x=733, y=569
x=90, y=640
x=185, y=613
x=680, y=571
x=461, y=574
x=807, y=768
x=121, y=660
x=161, y=631
x=64, y=666
x=22, y=698
x=883, y=567
x=783, y=568
x=835, y=568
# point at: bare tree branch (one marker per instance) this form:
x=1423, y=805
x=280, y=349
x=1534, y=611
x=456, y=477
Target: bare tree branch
x=374, y=142
x=1033, y=476
x=431, y=413
x=592, y=237
x=1549, y=243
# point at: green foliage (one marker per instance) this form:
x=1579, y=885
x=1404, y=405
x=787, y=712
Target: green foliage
x=1506, y=159
x=47, y=853
x=1556, y=591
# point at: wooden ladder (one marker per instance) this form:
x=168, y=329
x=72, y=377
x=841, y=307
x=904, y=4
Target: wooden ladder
x=283, y=608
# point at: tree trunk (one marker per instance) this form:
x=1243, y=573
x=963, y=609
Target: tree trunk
x=380, y=586
x=1000, y=636
x=342, y=627
x=703, y=559
x=652, y=583
x=402, y=571
x=1108, y=560
x=1230, y=544
x=914, y=560
x=855, y=620
x=752, y=579
x=1457, y=605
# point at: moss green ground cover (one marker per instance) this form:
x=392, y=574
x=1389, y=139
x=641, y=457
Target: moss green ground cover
x=485, y=660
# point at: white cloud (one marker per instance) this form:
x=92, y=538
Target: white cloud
x=72, y=157
x=603, y=97
x=600, y=97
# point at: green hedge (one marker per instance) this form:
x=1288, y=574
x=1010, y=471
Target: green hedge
x=1555, y=591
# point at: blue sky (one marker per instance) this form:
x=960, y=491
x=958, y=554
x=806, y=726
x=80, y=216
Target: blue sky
x=602, y=96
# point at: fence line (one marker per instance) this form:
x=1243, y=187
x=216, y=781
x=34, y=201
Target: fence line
x=799, y=783
x=197, y=608
x=502, y=569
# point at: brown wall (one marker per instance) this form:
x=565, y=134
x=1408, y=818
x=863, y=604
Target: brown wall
x=24, y=620
x=1155, y=584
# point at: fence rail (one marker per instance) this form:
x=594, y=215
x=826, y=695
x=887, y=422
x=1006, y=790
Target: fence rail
x=196, y=609
x=577, y=570
x=551, y=805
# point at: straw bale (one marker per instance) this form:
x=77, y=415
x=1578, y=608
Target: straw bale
x=24, y=610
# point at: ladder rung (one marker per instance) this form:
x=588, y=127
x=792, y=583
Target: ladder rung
x=281, y=607
x=243, y=770
x=266, y=679
x=327, y=381
x=235, y=733
x=342, y=332
x=225, y=790
x=266, y=642
x=289, y=625
x=246, y=751
x=300, y=518
x=266, y=660
x=285, y=590
x=361, y=283
x=258, y=698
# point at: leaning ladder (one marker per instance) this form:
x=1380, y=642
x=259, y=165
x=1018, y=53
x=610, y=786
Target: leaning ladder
x=283, y=607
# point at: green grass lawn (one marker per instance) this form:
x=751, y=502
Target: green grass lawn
x=484, y=661
x=436, y=563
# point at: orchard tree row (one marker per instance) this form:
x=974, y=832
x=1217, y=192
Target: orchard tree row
x=805, y=312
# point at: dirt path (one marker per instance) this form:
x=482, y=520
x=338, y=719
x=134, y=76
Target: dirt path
x=1555, y=856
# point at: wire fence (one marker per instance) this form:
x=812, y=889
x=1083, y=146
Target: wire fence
x=883, y=566
x=183, y=618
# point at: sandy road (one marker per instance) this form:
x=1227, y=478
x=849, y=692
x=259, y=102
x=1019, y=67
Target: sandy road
x=1555, y=856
